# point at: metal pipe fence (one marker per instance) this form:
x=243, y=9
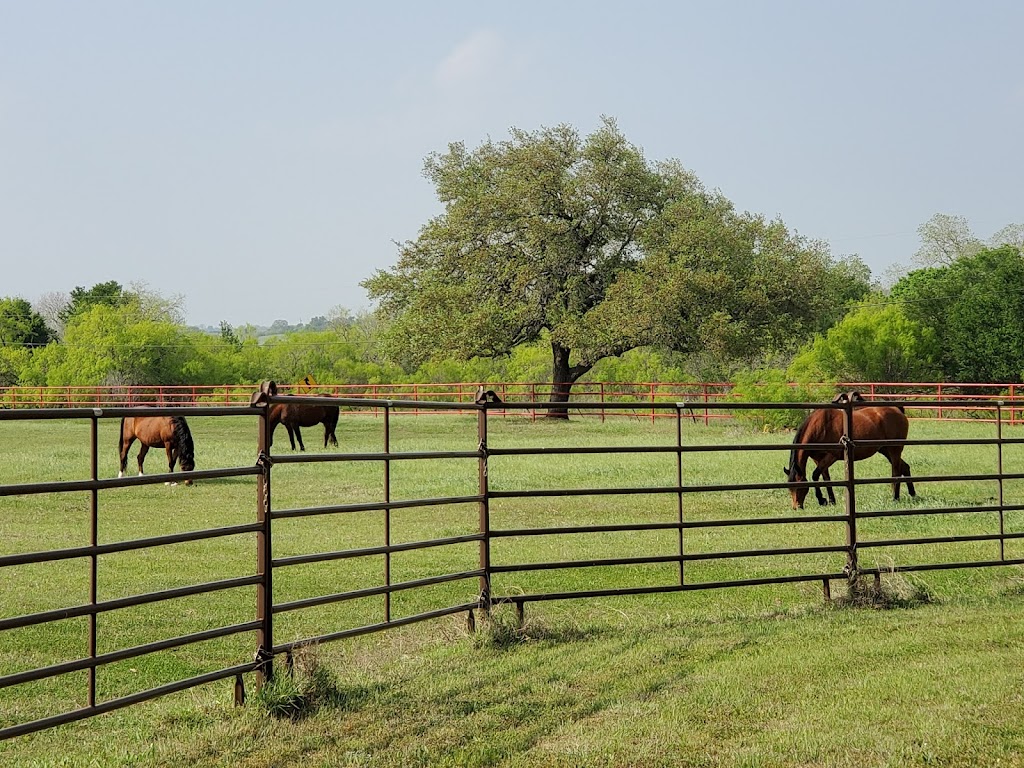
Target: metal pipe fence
x=480, y=593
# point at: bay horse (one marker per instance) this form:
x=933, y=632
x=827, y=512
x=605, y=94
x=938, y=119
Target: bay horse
x=296, y=415
x=168, y=432
x=825, y=425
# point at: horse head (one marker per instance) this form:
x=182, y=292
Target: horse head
x=486, y=396
x=795, y=475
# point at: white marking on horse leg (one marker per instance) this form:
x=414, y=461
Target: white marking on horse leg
x=120, y=474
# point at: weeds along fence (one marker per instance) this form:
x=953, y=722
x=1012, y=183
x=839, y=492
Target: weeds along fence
x=946, y=401
x=671, y=562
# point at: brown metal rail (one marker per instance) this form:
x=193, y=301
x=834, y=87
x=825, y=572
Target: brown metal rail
x=482, y=598
x=94, y=551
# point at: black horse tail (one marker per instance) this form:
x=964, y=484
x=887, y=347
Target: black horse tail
x=120, y=438
x=183, y=442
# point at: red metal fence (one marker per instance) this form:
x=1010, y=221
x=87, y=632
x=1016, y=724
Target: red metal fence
x=946, y=401
x=480, y=593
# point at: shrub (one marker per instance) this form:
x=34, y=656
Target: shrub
x=771, y=385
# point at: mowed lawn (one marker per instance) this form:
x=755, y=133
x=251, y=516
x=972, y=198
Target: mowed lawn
x=767, y=675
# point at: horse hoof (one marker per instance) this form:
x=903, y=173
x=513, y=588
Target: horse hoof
x=120, y=474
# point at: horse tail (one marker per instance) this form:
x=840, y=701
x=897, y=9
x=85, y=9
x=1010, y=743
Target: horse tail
x=332, y=420
x=184, y=444
x=120, y=437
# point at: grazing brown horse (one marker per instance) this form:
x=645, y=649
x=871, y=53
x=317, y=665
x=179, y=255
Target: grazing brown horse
x=825, y=425
x=296, y=415
x=168, y=432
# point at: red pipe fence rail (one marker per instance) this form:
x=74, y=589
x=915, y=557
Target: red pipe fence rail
x=479, y=593
x=936, y=400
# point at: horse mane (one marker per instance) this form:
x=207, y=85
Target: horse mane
x=183, y=440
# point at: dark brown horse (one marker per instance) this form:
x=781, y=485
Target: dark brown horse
x=168, y=432
x=296, y=415
x=825, y=425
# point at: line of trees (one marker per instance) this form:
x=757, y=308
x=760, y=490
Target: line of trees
x=560, y=257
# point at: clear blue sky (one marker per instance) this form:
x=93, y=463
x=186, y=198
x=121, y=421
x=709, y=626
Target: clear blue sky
x=262, y=158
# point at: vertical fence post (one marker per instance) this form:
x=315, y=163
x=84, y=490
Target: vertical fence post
x=999, y=449
x=387, y=513
x=264, y=557
x=679, y=486
x=485, y=511
x=602, y=402
x=851, y=502
x=94, y=558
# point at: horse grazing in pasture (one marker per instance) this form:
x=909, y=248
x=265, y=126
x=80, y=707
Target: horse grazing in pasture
x=168, y=432
x=825, y=425
x=296, y=415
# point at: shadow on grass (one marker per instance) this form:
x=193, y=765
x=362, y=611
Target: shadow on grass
x=503, y=631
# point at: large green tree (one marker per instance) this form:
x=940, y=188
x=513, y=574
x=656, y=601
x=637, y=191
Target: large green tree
x=534, y=231
x=975, y=306
x=110, y=294
x=586, y=244
x=20, y=325
x=119, y=345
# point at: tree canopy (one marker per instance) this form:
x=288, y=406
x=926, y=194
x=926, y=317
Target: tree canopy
x=976, y=307
x=588, y=245
x=875, y=342
x=20, y=325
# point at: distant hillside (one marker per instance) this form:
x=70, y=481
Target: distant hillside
x=277, y=328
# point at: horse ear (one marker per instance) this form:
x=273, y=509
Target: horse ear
x=266, y=388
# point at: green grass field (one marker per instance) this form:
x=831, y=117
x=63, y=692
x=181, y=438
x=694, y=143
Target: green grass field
x=752, y=676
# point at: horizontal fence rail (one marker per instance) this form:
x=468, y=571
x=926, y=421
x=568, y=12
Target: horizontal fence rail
x=488, y=581
x=936, y=400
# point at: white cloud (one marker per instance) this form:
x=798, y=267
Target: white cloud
x=475, y=59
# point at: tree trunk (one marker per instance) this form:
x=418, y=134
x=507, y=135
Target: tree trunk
x=563, y=377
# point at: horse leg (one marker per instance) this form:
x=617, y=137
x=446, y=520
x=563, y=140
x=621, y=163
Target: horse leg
x=125, y=445
x=291, y=435
x=900, y=468
x=821, y=473
x=298, y=435
x=906, y=474
x=172, y=458
x=143, y=450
